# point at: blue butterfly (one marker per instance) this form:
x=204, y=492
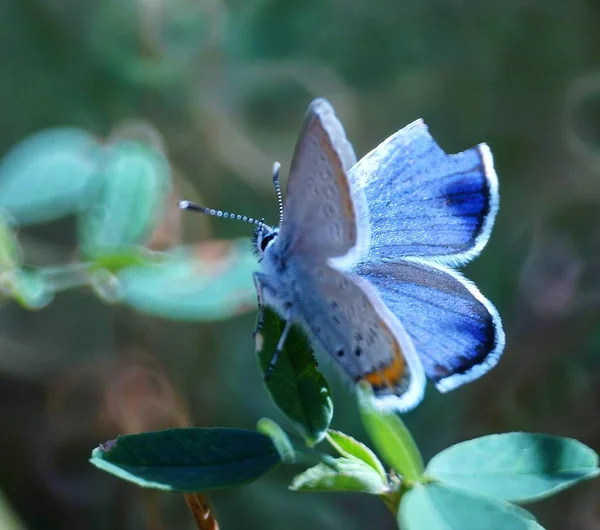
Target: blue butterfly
x=364, y=253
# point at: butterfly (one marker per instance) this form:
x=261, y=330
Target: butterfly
x=364, y=254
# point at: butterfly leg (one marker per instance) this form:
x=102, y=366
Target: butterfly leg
x=258, y=285
x=279, y=349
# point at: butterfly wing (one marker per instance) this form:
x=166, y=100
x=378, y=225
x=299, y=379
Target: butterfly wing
x=322, y=215
x=425, y=203
x=456, y=331
x=346, y=317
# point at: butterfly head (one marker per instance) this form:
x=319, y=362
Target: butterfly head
x=263, y=238
x=264, y=235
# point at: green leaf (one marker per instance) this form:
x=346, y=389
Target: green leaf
x=440, y=507
x=349, y=474
x=30, y=289
x=209, y=282
x=534, y=525
x=296, y=386
x=134, y=182
x=8, y=518
x=350, y=448
x=279, y=438
x=515, y=466
x=188, y=459
x=10, y=250
x=49, y=175
x=391, y=437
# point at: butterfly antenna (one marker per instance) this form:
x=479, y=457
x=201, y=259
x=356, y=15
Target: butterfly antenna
x=276, y=167
x=187, y=205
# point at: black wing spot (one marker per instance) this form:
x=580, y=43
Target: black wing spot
x=340, y=353
x=371, y=336
x=343, y=284
x=358, y=351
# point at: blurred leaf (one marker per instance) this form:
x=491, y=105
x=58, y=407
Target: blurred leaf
x=49, y=175
x=10, y=250
x=279, y=438
x=391, y=437
x=440, y=507
x=296, y=386
x=106, y=286
x=351, y=448
x=515, y=466
x=30, y=289
x=349, y=474
x=204, y=515
x=209, y=282
x=273, y=29
x=151, y=44
x=188, y=459
x=8, y=518
x=134, y=182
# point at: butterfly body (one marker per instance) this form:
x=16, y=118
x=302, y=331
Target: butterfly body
x=362, y=258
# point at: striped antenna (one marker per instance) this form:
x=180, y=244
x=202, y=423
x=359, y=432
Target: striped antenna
x=276, y=167
x=187, y=205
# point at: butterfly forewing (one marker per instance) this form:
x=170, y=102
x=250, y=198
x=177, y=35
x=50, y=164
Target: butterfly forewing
x=424, y=202
x=321, y=214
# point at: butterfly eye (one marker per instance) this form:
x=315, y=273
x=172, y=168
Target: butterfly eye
x=265, y=241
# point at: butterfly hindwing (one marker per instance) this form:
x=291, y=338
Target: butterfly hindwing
x=424, y=202
x=346, y=317
x=456, y=331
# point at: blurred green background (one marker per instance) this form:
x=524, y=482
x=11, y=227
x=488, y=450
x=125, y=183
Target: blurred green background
x=220, y=88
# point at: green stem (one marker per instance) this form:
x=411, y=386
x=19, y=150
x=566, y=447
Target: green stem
x=69, y=276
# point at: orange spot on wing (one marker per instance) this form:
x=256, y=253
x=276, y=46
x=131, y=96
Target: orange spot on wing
x=389, y=375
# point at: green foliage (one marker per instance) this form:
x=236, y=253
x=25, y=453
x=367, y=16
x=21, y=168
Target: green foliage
x=170, y=41
x=119, y=193
x=8, y=519
x=516, y=466
x=49, y=175
x=10, y=250
x=29, y=288
x=296, y=386
x=345, y=474
x=209, y=282
x=279, y=438
x=188, y=459
x=348, y=447
x=132, y=184
x=464, y=487
x=441, y=507
x=391, y=437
